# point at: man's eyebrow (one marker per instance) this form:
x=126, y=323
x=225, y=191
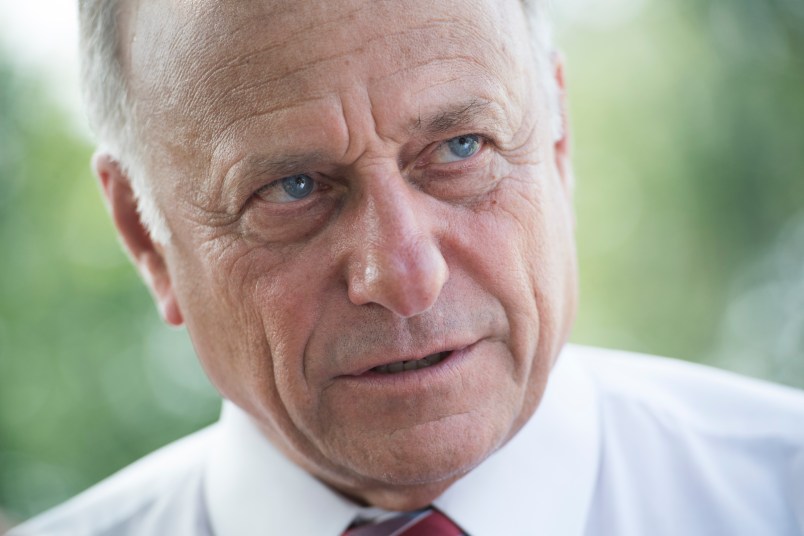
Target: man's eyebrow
x=279, y=165
x=461, y=115
x=256, y=168
x=472, y=114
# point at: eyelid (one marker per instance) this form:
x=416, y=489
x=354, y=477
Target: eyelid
x=483, y=142
x=276, y=185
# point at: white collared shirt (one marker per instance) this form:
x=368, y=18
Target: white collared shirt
x=621, y=445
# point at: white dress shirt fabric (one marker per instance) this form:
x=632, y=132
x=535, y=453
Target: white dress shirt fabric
x=621, y=445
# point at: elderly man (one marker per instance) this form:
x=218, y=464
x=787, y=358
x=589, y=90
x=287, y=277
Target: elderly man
x=362, y=212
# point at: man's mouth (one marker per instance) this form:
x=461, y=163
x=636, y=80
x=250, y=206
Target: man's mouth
x=414, y=364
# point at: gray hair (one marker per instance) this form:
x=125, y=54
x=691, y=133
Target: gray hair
x=112, y=111
x=110, y=108
x=540, y=27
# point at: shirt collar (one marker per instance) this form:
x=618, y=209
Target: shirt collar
x=547, y=471
x=252, y=489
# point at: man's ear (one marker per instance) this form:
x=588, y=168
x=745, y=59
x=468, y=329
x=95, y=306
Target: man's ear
x=147, y=255
x=562, y=147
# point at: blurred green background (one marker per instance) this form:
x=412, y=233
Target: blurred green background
x=688, y=120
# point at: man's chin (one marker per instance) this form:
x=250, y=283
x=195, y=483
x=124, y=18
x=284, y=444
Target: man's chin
x=402, y=490
x=417, y=464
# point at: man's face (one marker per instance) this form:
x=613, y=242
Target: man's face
x=354, y=184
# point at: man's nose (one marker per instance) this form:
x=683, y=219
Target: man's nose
x=396, y=259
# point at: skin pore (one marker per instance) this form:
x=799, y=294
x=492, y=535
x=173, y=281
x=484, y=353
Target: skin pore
x=349, y=185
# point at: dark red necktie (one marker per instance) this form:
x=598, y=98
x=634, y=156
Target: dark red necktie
x=428, y=522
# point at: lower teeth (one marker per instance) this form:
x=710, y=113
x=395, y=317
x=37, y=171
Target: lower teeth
x=416, y=364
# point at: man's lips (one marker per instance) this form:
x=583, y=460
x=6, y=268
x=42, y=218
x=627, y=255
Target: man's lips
x=406, y=364
x=413, y=364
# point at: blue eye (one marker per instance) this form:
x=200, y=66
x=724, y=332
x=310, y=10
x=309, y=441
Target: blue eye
x=289, y=189
x=457, y=149
x=298, y=186
x=464, y=146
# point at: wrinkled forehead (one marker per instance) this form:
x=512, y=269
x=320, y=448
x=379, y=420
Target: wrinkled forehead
x=190, y=60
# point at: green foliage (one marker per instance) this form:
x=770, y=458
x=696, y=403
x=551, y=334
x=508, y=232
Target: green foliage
x=688, y=127
x=89, y=379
